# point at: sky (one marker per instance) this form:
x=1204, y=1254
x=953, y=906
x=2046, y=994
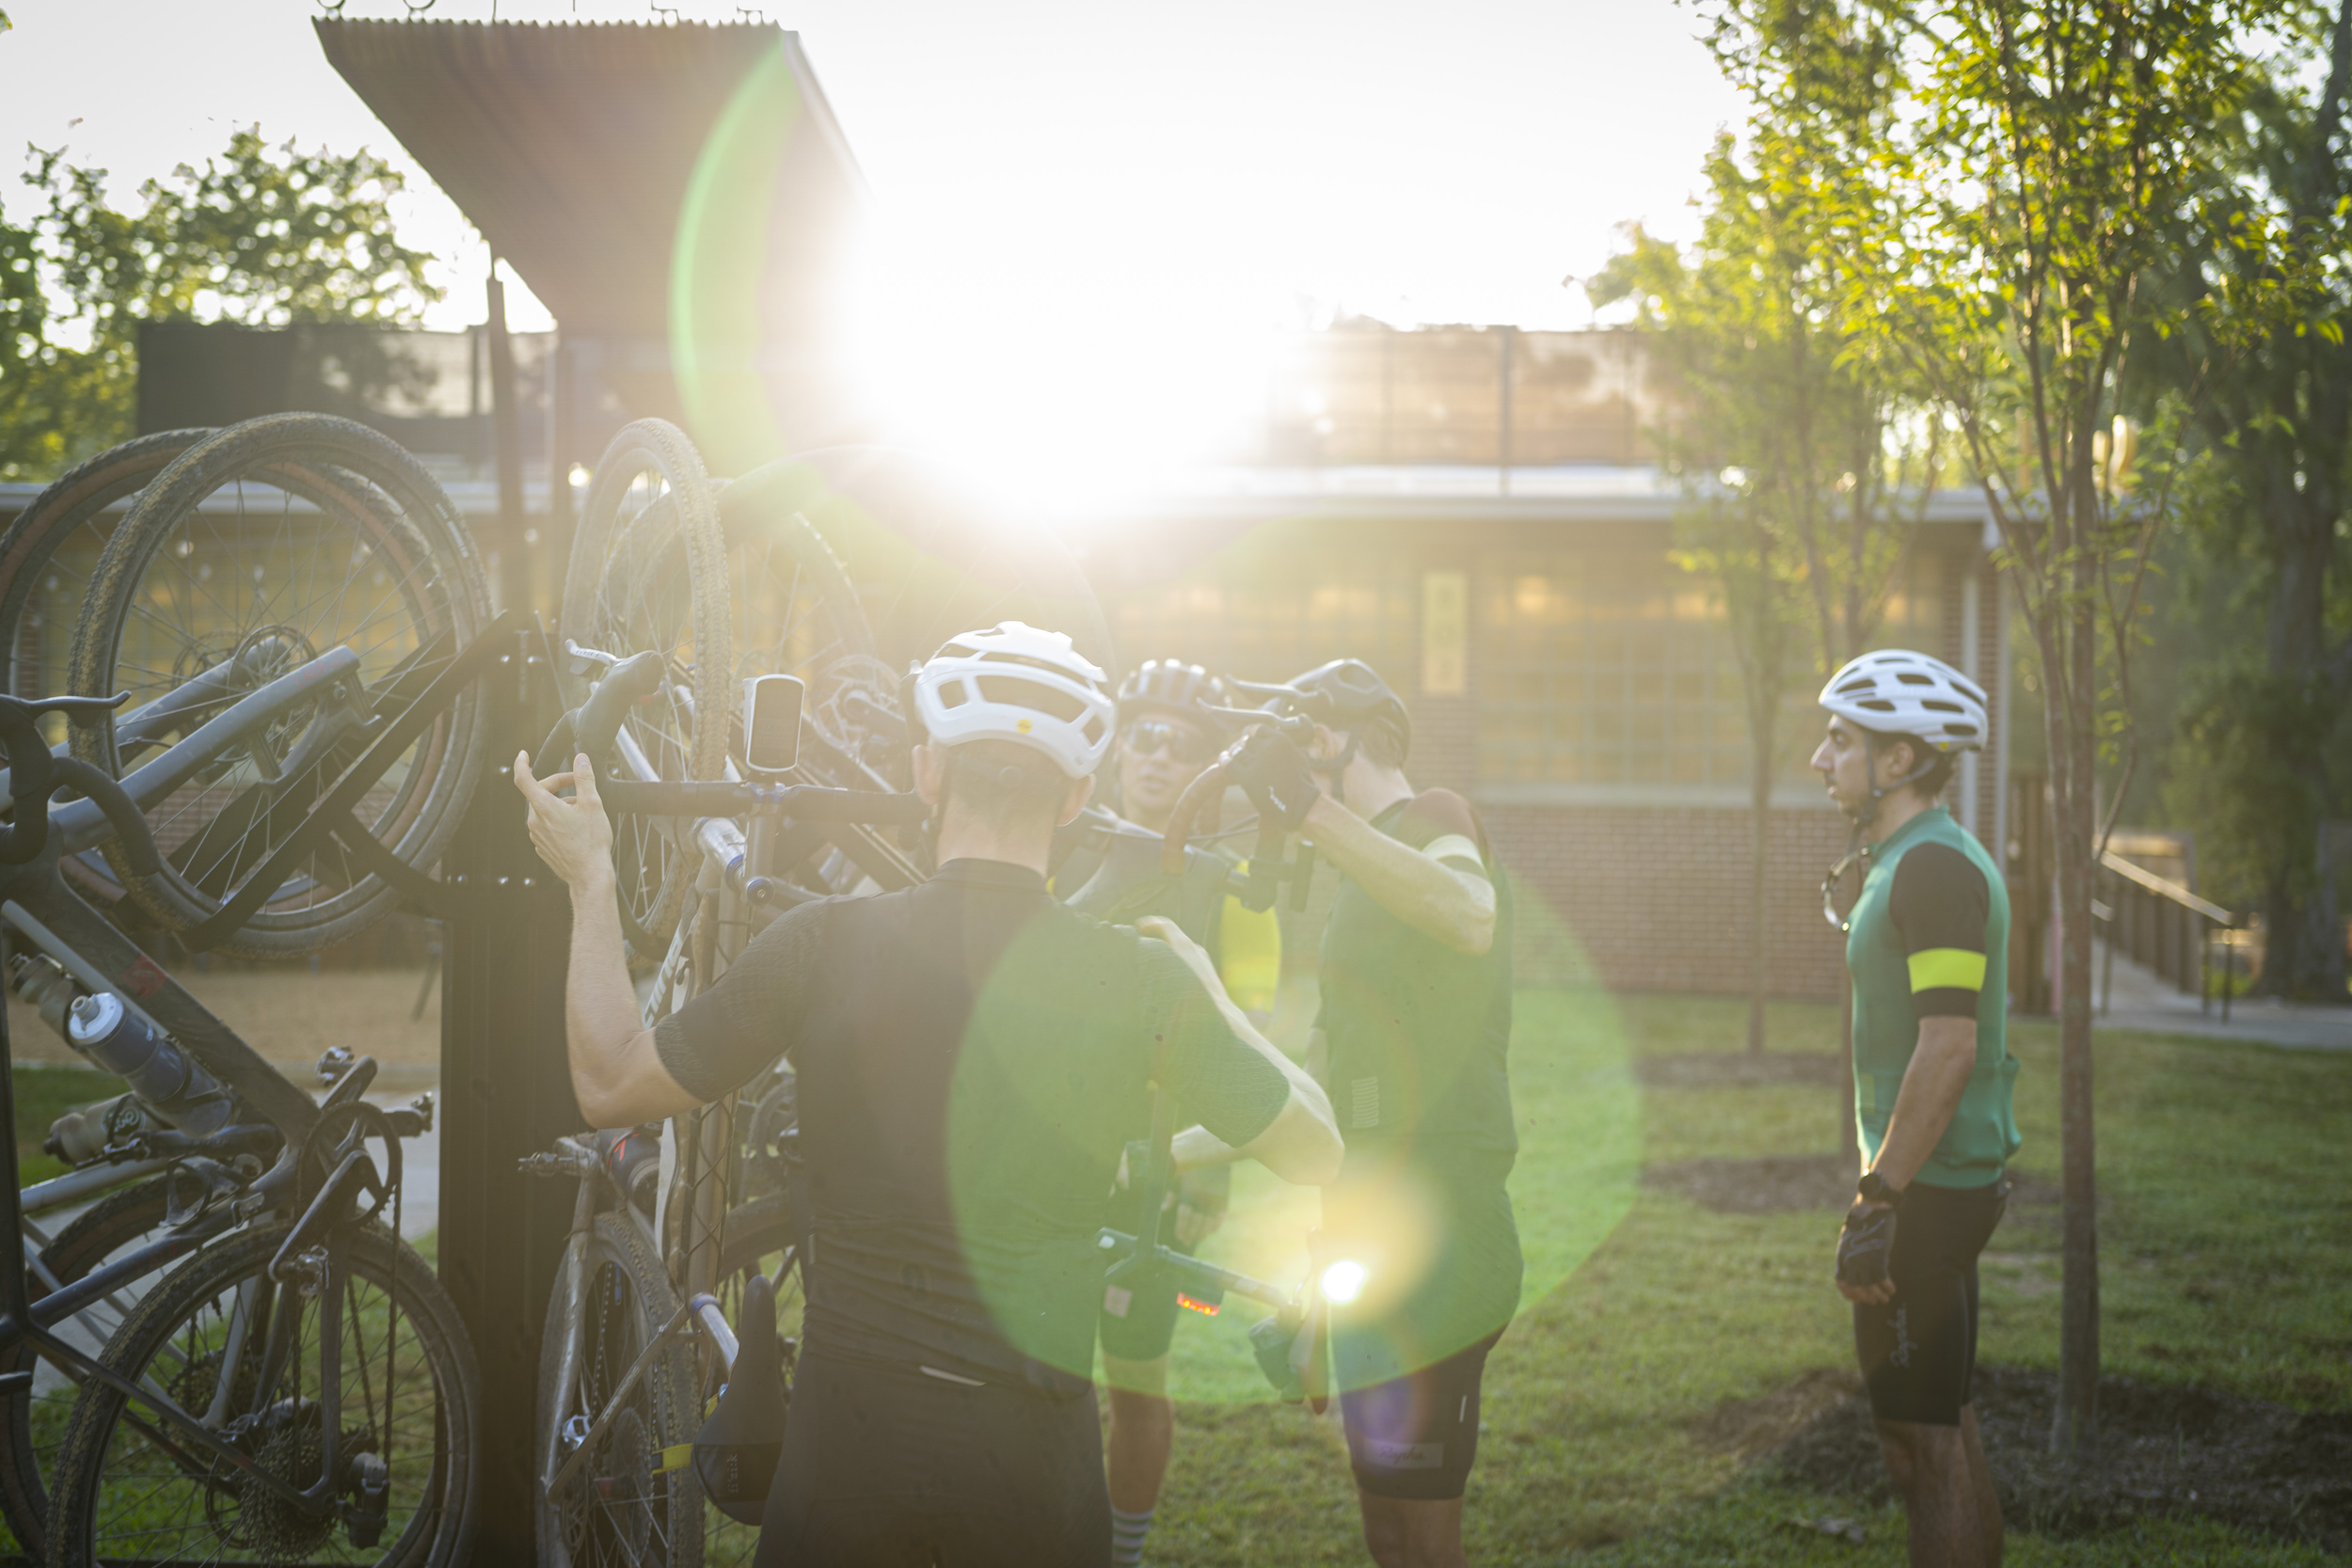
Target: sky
x=1202, y=176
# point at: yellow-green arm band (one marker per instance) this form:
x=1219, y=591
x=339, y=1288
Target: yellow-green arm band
x=1455, y=846
x=1946, y=969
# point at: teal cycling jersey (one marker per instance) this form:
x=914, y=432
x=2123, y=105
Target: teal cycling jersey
x=1930, y=937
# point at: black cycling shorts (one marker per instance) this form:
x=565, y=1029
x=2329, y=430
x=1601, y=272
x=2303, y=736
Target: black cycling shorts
x=888, y=1467
x=1415, y=1436
x=1918, y=1353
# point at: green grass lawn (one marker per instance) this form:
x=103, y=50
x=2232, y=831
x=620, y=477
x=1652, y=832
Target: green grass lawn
x=44, y=1093
x=2225, y=1261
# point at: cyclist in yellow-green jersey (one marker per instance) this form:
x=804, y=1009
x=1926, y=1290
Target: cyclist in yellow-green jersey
x=1169, y=732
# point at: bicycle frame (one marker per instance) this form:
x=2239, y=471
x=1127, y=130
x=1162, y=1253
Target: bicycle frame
x=36, y=901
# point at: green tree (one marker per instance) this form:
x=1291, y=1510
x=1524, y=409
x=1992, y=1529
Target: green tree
x=1802, y=464
x=2040, y=178
x=2265, y=293
x=261, y=235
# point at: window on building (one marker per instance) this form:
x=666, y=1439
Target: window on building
x=1268, y=616
x=1614, y=668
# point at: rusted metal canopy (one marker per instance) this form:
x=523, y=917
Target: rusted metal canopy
x=573, y=148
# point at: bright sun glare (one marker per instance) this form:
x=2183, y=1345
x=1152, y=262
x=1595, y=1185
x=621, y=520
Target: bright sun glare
x=1344, y=1281
x=1055, y=382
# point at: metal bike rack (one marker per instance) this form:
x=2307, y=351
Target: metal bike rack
x=506, y=1092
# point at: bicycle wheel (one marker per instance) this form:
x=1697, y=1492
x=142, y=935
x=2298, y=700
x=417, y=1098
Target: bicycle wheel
x=33, y=1421
x=46, y=558
x=759, y=1240
x=628, y=1504
x=258, y=551
x=647, y=573
x=210, y=1335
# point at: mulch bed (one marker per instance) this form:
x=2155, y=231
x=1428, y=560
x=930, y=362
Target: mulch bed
x=1788, y=1184
x=1718, y=1069
x=2162, y=1449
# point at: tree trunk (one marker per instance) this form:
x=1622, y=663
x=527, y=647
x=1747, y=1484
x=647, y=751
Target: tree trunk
x=1761, y=800
x=2303, y=958
x=2074, y=753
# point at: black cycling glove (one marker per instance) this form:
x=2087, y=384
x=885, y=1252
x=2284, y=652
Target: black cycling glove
x=1272, y=771
x=1864, y=1246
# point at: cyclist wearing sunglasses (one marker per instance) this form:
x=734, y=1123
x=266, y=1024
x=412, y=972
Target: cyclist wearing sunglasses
x=962, y=1106
x=1169, y=732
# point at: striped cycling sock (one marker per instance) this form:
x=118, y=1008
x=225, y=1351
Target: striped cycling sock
x=1127, y=1533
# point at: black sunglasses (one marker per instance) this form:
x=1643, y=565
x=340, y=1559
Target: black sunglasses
x=1184, y=743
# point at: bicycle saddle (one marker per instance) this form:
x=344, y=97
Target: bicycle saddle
x=736, y=1449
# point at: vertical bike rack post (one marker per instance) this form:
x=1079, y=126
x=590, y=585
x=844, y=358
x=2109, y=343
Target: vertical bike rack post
x=505, y=1093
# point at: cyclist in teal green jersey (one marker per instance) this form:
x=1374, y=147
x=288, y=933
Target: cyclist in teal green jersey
x=1926, y=947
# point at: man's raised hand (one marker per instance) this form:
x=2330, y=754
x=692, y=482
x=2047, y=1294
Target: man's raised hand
x=574, y=836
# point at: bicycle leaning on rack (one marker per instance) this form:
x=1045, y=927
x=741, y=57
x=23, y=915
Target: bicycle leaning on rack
x=300, y=1380
x=670, y=1341
x=298, y=1385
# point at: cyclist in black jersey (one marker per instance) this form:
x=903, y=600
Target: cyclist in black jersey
x=969, y=1055
x=1421, y=1250
x=1170, y=732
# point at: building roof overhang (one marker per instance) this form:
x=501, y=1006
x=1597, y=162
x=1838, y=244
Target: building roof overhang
x=573, y=147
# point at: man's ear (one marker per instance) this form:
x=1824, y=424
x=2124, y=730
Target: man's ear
x=931, y=772
x=1328, y=744
x=1075, y=800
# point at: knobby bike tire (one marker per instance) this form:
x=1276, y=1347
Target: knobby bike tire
x=32, y=1423
x=434, y=1496
x=423, y=602
x=659, y=1517
x=43, y=582
x=618, y=599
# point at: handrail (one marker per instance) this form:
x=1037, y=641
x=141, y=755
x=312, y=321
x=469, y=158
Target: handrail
x=2164, y=888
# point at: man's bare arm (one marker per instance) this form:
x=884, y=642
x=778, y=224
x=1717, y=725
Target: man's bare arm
x=1456, y=908
x=1302, y=1143
x=1932, y=1086
x=617, y=1074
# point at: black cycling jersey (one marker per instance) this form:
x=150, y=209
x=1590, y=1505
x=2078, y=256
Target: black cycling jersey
x=971, y=1056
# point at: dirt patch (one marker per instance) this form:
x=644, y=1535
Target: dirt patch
x=2162, y=1449
x=1718, y=1069
x=290, y=1014
x=1788, y=1183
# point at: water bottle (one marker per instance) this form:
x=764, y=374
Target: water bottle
x=159, y=1072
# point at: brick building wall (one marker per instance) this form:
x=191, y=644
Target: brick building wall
x=1657, y=898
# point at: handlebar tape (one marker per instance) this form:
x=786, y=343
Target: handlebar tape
x=130, y=823
x=626, y=683
x=1208, y=785
x=555, y=753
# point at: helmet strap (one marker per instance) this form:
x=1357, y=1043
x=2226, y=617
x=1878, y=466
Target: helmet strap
x=1337, y=769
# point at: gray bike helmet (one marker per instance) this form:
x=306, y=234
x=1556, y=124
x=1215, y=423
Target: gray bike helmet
x=1175, y=686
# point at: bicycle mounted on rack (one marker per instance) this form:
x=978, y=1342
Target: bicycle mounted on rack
x=235, y=1141
x=746, y=835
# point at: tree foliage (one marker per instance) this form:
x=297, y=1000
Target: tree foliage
x=2263, y=288
x=1801, y=460
x=261, y=235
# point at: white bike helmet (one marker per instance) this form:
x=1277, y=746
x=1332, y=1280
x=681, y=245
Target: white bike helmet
x=1019, y=684
x=1895, y=691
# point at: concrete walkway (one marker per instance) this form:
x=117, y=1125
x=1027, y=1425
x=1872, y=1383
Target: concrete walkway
x=2142, y=1002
